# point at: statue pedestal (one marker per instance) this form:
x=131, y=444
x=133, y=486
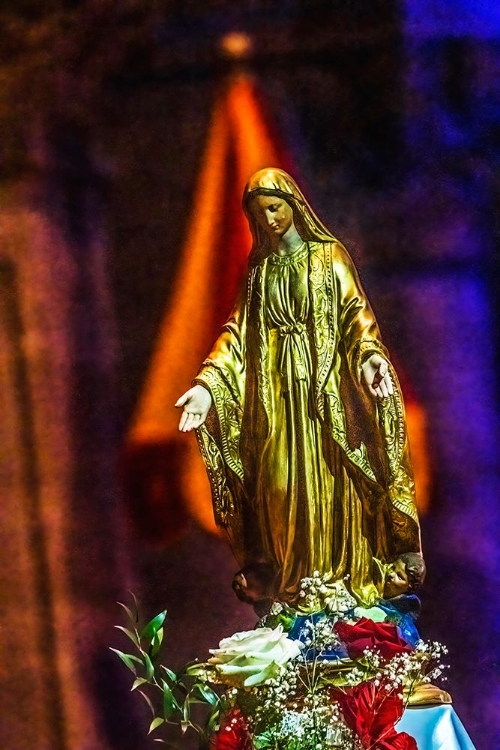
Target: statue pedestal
x=435, y=728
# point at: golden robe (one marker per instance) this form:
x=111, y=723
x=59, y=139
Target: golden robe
x=307, y=471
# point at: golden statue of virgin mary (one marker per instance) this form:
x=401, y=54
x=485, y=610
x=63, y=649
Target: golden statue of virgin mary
x=298, y=411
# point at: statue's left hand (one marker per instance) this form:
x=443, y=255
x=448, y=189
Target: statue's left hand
x=375, y=373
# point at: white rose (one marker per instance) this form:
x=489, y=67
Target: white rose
x=253, y=657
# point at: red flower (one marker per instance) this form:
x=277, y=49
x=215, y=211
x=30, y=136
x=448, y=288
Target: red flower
x=233, y=733
x=371, y=713
x=397, y=741
x=382, y=636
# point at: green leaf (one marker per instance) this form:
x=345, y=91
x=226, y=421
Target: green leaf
x=128, y=660
x=136, y=604
x=155, y=724
x=130, y=634
x=138, y=682
x=154, y=625
x=208, y=695
x=286, y=620
x=264, y=741
x=186, y=712
x=213, y=723
x=170, y=674
x=131, y=615
x=166, y=686
x=156, y=642
x=184, y=726
x=169, y=702
x=150, y=670
x=193, y=670
x=148, y=701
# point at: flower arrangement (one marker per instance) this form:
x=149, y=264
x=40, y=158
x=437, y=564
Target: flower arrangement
x=299, y=681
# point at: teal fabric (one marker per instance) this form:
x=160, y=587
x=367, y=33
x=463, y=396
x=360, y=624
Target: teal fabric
x=435, y=728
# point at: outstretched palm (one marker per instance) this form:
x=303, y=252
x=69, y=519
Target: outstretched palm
x=196, y=402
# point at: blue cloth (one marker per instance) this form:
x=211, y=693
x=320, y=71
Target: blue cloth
x=301, y=631
x=435, y=728
x=405, y=620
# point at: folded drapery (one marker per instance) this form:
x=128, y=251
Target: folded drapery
x=435, y=728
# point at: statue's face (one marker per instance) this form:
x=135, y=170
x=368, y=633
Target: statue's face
x=396, y=580
x=273, y=214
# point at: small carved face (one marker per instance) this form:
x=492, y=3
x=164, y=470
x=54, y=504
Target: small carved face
x=240, y=588
x=396, y=580
x=254, y=583
x=273, y=214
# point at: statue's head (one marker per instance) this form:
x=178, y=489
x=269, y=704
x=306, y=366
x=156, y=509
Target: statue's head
x=273, y=213
x=272, y=186
x=405, y=575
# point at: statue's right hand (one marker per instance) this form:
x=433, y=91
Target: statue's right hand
x=196, y=402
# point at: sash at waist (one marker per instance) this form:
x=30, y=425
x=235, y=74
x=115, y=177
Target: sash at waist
x=292, y=353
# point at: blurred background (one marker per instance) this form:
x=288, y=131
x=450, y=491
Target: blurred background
x=119, y=120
